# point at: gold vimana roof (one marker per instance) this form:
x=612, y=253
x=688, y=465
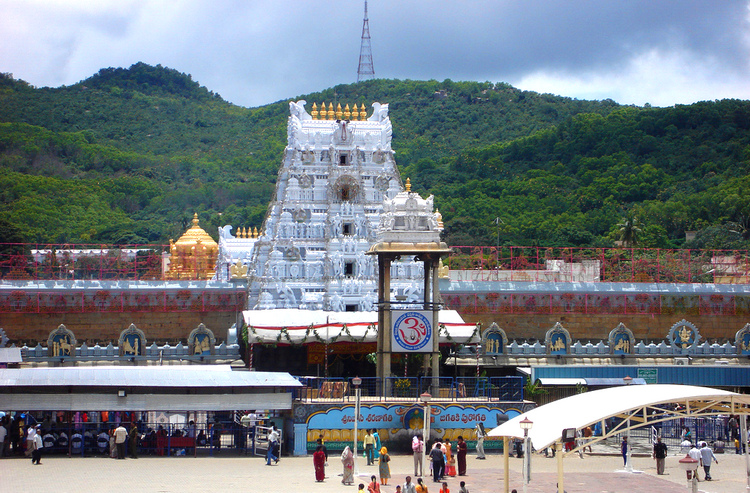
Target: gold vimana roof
x=194, y=255
x=195, y=234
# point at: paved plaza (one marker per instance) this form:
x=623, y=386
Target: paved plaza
x=243, y=474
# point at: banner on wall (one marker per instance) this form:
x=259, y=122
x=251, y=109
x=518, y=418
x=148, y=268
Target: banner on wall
x=398, y=421
x=412, y=331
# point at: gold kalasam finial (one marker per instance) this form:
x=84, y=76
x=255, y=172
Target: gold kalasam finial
x=314, y=112
x=244, y=232
x=408, y=185
x=362, y=112
x=255, y=232
x=339, y=113
x=439, y=217
x=331, y=113
x=355, y=113
x=347, y=113
x=195, y=219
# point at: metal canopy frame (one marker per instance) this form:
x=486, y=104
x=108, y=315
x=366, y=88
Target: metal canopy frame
x=643, y=416
x=576, y=412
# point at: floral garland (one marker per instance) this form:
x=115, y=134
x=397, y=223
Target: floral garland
x=310, y=331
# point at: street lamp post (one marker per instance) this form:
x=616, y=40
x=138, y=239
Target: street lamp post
x=526, y=425
x=628, y=465
x=425, y=398
x=356, y=381
x=690, y=466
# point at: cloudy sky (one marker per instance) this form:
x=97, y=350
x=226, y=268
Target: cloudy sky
x=254, y=52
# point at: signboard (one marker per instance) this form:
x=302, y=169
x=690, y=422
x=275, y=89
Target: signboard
x=650, y=375
x=412, y=331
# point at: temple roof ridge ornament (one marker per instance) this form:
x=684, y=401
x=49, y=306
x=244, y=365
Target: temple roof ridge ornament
x=408, y=218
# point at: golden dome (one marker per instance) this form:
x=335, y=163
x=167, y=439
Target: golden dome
x=195, y=234
x=194, y=255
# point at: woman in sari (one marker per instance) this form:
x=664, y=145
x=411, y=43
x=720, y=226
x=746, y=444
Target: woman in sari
x=421, y=487
x=376, y=436
x=383, y=468
x=461, y=449
x=347, y=459
x=319, y=461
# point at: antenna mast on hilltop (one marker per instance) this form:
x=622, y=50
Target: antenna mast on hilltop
x=365, y=70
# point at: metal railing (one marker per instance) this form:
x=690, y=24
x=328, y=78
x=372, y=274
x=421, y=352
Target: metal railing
x=30, y=261
x=410, y=388
x=653, y=265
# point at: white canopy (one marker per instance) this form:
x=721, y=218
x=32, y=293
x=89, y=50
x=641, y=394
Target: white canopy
x=301, y=326
x=638, y=402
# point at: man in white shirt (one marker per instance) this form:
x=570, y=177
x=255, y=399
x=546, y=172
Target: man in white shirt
x=37, y=445
x=121, y=435
x=694, y=453
x=273, y=444
x=480, y=440
x=30, y=433
x=417, y=447
x=409, y=486
x=706, y=456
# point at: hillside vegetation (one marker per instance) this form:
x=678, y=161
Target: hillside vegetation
x=127, y=155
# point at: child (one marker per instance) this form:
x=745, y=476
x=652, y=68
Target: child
x=445, y=489
x=361, y=488
x=398, y=488
x=462, y=488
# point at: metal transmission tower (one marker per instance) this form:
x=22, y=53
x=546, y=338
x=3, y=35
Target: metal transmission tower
x=365, y=70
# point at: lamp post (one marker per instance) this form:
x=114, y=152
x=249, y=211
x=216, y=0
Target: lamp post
x=628, y=464
x=690, y=465
x=526, y=425
x=356, y=381
x=425, y=398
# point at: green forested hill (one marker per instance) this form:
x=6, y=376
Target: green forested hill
x=128, y=155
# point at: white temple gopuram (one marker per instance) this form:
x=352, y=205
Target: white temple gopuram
x=337, y=174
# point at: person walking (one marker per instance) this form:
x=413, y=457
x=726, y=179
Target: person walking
x=587, y=434
x=319, y=462
x=438, y=462
x=273, y=445
x=706, y=456
x=417, y=447
x=660, y=454
x=30, y=433
x=695, y=453
x=347, y=460
x=624, y=450
x=461, y=451
x=36, y=445
x=383, y=468
x=369, y=442
x=479, y=430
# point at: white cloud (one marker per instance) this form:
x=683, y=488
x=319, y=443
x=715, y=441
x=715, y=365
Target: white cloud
x=253, y=52
x=654, y=77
